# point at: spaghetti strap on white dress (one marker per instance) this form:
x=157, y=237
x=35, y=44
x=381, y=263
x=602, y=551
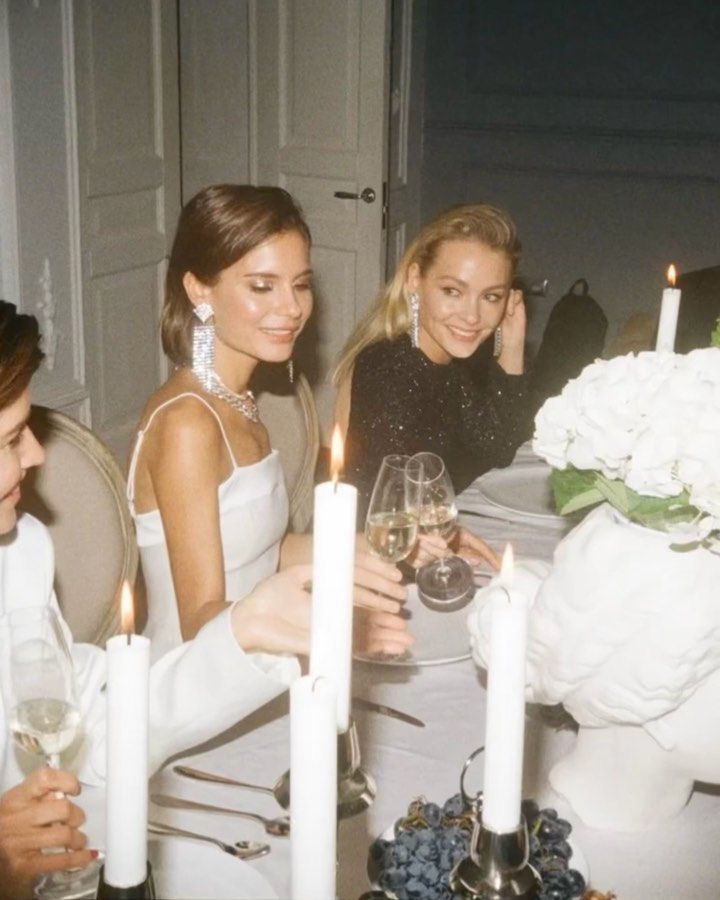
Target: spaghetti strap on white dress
x=254, y=512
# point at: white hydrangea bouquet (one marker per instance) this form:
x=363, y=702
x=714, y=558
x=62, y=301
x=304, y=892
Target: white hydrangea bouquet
x=641, y=432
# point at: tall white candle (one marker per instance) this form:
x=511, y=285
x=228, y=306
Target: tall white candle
x=333, y=578
x=505, y=717
x=669, y=310
x=313, y=789
x=128, y=669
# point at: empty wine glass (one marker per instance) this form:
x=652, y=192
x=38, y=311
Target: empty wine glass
x=44, y=717
x=391, y=526
x=445, y=583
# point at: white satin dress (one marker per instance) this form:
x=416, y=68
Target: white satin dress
x=253, y=520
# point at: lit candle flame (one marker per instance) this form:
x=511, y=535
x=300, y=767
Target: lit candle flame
x=507, y=566
x=127, y=611
x=671, y=275
x=337, y=455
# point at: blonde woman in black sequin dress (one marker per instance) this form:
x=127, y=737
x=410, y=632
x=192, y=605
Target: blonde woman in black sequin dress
x=402, y=384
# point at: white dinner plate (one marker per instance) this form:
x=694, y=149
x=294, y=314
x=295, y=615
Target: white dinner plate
x=188, y=870
x=440, y=637
x=522, y=489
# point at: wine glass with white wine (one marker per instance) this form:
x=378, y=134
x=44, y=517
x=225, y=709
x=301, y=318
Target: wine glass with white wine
x=391, y=525
x=448, y=583
x=44, y=717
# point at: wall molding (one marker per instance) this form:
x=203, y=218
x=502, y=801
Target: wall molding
x=9, y=243
x=72, y=164
x=46, y=307
x=575, y=133
x=592, y=172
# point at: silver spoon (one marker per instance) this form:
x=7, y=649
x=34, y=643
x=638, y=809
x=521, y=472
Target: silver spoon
x=279, y=827
x=240, y=849
x=197, y=775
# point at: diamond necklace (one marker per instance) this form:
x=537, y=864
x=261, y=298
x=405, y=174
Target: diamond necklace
x=244, y=403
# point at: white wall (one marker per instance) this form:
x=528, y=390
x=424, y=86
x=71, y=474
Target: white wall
x=596, y=125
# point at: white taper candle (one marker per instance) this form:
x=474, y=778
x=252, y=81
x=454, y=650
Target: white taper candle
x=332, y=590
x=669, y=311
x=128, y=672
x=313, y=789
x=505, y=716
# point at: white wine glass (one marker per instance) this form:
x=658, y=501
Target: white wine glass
x=445, y=583
x=391, y=525
x=44, y=717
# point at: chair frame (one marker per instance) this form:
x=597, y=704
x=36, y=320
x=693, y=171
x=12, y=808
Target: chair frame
x=108, y=467
x=301, y=498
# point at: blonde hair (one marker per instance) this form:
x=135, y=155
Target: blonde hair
x=389, y=317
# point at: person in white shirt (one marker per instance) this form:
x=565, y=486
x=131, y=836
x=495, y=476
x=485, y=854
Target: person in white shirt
x=239, y=660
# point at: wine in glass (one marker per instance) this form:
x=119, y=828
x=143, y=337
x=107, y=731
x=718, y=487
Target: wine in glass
x=44, y=717
x=446, y=583
x=391, y=525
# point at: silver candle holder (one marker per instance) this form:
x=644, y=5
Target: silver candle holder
x=497, y=867
x=356, y=788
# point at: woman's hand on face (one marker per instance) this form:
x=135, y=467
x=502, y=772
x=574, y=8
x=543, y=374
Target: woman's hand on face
x=377, y=583
x=33, y=819
x=514, y=328
x=473, y=549
x=275, y=615
x=378, y=633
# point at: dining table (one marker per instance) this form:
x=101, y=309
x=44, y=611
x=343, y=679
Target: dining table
x=677, y=860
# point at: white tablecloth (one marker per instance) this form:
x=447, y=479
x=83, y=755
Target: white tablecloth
x=678, y=861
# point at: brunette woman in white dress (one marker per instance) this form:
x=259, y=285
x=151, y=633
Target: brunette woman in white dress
x=205, y=487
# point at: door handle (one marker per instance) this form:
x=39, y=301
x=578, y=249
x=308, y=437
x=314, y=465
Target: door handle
x=366, y=194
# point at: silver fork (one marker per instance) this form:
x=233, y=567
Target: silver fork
x=240, y=849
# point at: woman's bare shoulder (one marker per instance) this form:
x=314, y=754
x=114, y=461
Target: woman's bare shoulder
x=181, y=416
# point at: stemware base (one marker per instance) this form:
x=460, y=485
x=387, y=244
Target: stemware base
x=76, y=884
x=356, y=787
x=446, y=584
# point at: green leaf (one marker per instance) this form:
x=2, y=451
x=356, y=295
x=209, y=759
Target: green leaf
x=574, y=489
x=580, y=501
x=616, y=493
x=715, y=335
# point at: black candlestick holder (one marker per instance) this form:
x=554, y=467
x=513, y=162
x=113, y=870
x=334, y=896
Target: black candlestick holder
x=356, y=788
x=143, y=891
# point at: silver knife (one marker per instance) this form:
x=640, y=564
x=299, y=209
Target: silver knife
x=362, y=703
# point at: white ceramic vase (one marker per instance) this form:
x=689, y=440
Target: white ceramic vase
x=625, y=632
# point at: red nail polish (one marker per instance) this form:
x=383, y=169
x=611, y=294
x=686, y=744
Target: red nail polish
x=94, y=854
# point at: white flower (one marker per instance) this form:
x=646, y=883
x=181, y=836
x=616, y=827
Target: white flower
x=651, y=420
x=707, y=499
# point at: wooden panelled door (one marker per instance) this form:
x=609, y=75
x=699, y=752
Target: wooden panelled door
x=320, y=71
x=128, y=143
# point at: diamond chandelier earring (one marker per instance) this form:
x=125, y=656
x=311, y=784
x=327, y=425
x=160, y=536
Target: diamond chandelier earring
x=415, y=319
x=291, y=370
x=203, y=345
x=498, y=342
x=203, y=366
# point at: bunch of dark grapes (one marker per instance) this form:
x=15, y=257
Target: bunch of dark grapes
x=431, y=840
x=550, y=853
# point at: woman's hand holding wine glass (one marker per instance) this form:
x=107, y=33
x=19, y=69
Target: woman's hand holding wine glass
x=44, y=719
x=33, y=820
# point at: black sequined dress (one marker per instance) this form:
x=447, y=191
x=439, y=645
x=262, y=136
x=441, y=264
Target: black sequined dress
x=402, y=402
